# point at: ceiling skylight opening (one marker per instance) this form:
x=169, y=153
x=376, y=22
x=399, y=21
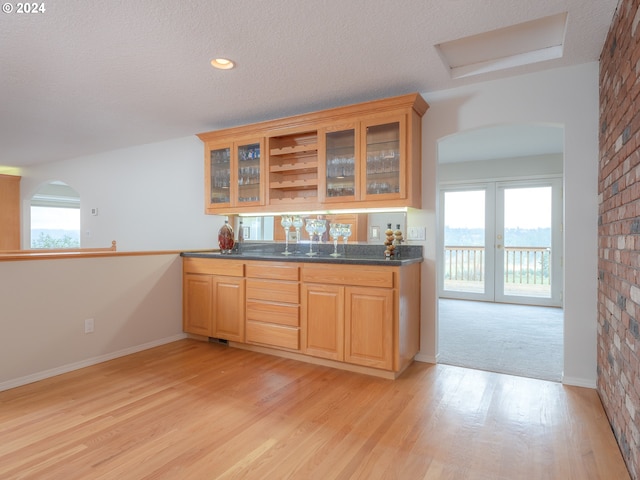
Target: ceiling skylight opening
x=522, y=44
x=222, y=63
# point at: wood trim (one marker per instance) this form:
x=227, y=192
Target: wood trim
x=9, y=212
x=57, y=254
x=313, y=120
x=318, y=361
x=112, y=248
x=207, y=266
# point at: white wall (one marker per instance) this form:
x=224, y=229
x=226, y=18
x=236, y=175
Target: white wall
x=135, y=301
x=565, y=97
x=541, y=165
x=149, y=197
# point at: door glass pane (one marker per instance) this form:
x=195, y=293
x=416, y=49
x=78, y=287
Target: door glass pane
x=464, y=241
x=383, y=159
x=341, y=163
x=249, y=173
x=220, y=175
x=527, y=241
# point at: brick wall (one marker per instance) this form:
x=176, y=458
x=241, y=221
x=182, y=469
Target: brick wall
x=619, y=231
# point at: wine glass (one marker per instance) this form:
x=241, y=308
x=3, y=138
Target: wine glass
x=310, y=227
x=297, y=223
x=346, y=233
x=320, y=228
x=286, y=223
x=335, y=230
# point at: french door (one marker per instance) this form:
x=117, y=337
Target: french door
x=502, y=241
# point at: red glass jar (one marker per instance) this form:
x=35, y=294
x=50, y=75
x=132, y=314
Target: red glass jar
x=225, y=238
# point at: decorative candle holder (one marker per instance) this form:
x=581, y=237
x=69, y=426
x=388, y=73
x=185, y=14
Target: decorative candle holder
x=388, y=253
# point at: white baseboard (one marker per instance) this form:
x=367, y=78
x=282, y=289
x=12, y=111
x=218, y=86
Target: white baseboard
x=579, y=382
x=34, y=377
x=425, y=358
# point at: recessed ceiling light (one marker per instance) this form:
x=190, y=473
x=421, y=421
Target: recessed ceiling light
x=222, y=63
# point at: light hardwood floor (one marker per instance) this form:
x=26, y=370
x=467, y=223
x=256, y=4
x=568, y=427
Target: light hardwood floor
x=192, y=410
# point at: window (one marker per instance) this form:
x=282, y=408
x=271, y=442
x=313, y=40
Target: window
x=55, y=217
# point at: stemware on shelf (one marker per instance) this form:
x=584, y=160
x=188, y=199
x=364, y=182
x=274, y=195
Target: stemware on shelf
x=286, y=223
x=310, y=227
x=346, y=233
x=320, y=228
x=335, y=230
x=298, y=223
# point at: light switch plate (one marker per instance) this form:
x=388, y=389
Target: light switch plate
x=417, y=233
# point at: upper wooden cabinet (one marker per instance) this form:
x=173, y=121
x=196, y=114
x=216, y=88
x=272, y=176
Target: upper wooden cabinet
x=365, y=156
x=9, y=212
x=234, y=172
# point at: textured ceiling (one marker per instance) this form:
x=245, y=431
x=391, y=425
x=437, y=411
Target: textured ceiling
x=86, y=76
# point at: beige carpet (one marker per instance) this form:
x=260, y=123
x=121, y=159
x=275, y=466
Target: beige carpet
x=514, y=339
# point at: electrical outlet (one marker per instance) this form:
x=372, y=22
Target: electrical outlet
x=417, y=233
x=89, y=324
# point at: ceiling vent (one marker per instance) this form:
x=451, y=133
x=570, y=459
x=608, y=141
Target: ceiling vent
x=514, y=46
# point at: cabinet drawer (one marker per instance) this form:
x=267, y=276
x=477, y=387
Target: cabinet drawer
x=273, y=313
x=273, y=335
x=273, y=291
x=213, y=266
x=349, y=275
x=273, y=271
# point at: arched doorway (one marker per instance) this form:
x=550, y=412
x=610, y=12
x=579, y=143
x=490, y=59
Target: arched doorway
x=509, y=252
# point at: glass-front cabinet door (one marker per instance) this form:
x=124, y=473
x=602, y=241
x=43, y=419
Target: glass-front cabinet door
x=248, y=174
x=234, y=174
x=384, y=173
x=339, y=169
x=218, y=175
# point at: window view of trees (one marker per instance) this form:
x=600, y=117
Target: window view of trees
x=55, y=217
x=55, y=227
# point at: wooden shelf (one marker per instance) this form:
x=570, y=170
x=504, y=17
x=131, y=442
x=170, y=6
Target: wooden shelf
x=307, y=167
x=308, y=184
x=292, y=201
x=312, y=147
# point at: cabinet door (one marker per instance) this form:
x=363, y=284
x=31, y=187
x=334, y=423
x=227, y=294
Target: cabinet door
x=197, y=304
x=234, y=174
x=369, y=327
x=249, y=172
x=228, y=308
x=338, y=172
x=384, y=146
x=218, y=175
x=322, y=325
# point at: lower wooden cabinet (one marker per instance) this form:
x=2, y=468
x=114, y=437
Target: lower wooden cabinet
x=197, y=301
x=273, y=304
x=228, y=308
x=361, y=315
x=367, y=316
x=369, y=321
x=323, y=321
x=213, y=305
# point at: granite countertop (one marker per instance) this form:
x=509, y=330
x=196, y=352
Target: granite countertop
x=355, y=254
